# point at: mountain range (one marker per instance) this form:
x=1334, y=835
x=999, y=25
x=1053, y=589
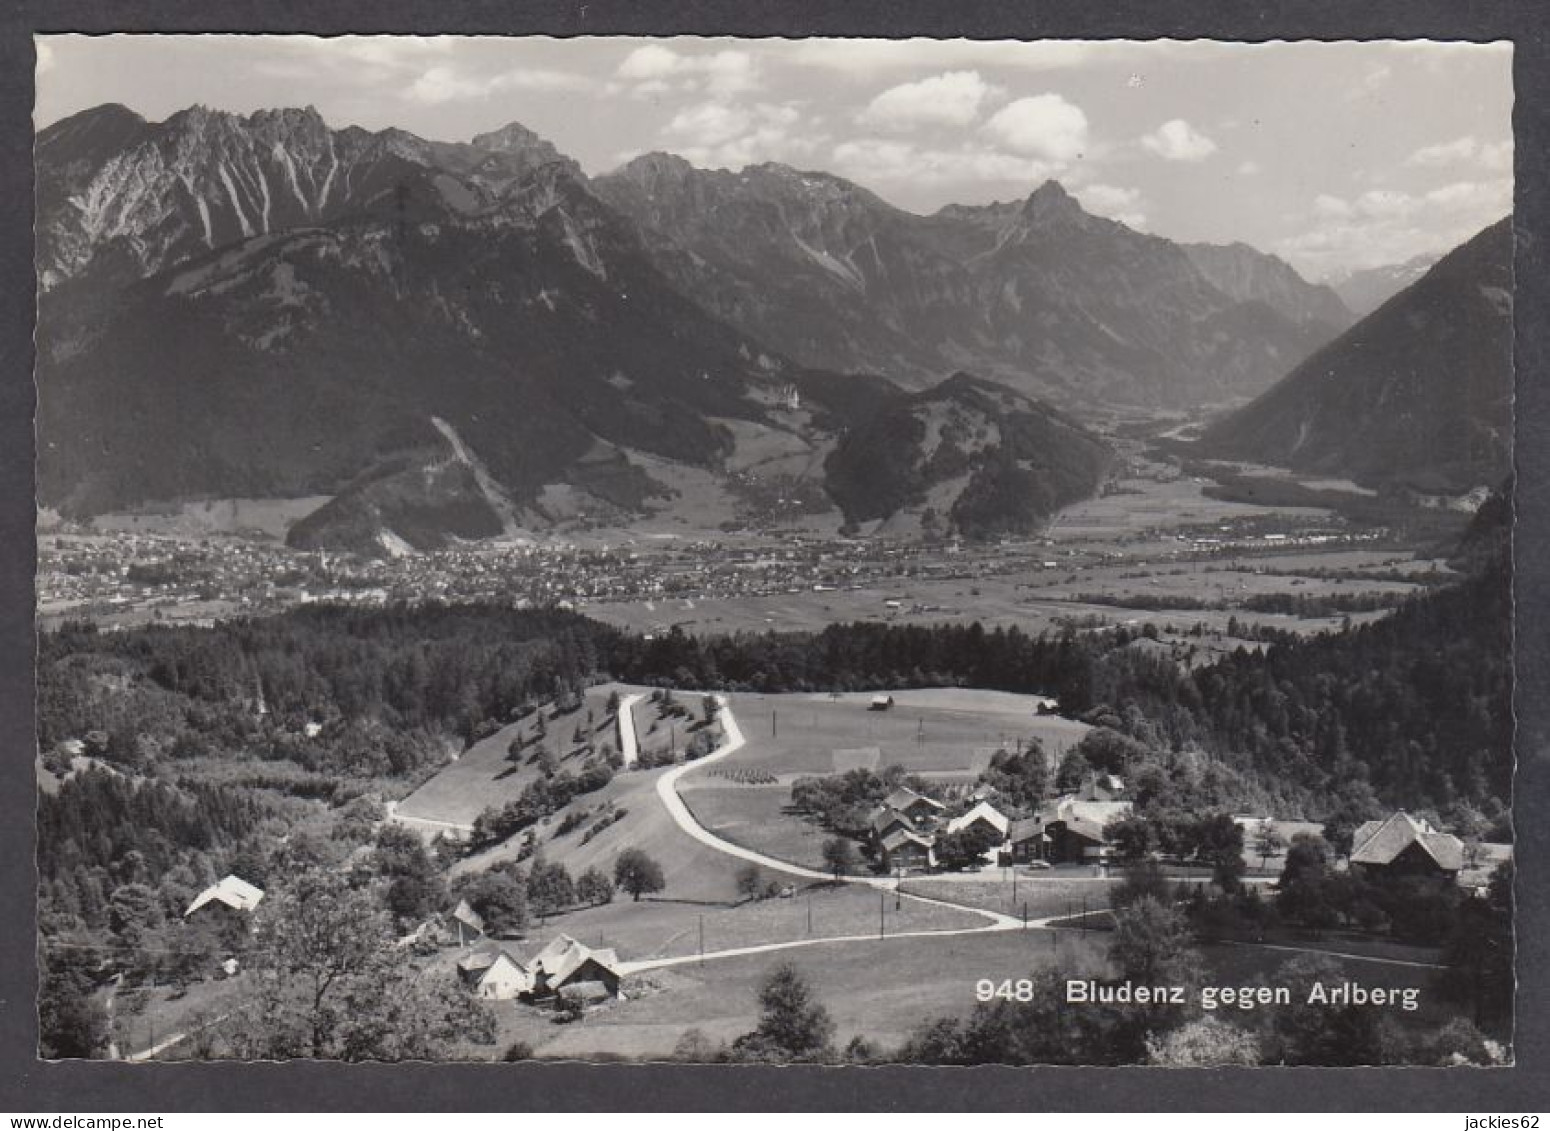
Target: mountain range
x=1037, y=294
x=1368, y=288
x=1418, y=394
x=454, y=340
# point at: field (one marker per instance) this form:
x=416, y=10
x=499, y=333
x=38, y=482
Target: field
x=695, y=873
x=1154, y=543
x=486, y=775
x=950, y=732
x=1041, y=894
x=945, y=734
x=878, y=988
x=755, y=817
x=658, y=732
x=881, y=990
x=666, y=927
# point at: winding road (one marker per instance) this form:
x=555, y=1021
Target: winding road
x=667, y=793
x=629, y=744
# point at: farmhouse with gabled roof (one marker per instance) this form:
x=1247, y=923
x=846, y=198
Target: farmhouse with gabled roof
x=985, y=814
x=915, y=806
x=565, y=961
x=494, y=974
x=1405, y=845
x=903, y=850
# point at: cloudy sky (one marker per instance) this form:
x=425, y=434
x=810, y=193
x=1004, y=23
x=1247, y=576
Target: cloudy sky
x=1333, y=155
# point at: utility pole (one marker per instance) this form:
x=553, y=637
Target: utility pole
x=809, y=915
x=774, y=724
x=702, y=940
x=882, y=911
x=1025, y=916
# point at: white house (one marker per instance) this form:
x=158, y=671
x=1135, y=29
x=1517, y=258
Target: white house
x=231, y=894
x=495, y=975
x=983, y=812
x=986, y=815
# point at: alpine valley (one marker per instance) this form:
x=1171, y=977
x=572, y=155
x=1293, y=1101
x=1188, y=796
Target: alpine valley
x=493, y=611
x=455, y=341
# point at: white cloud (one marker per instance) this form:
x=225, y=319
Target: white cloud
x=442, y=84
x=1249, y=169
x=1122, y=204
x=721, y=72
x=446, y=84
x=1473, y=196
x=949, y=99
x=1385, y=203
x=1326, y=205
x=1177, y=140
x=710, y=124
x=1497, y=157
x=716, y=135
x=1445, y=153
x=1045, y=126
x=1384, y=226
x=863, y=59
x=1107, y=199
x=382, y=54
x=389, y=50
x=650, y=62
x=885, y=161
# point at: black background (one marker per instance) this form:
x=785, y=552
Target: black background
x=28, y=1085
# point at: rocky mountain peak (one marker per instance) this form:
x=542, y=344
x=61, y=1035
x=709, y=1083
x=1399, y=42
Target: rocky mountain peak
x=1051, y=202
x=654, y=168
x=514, y=137
x=288, y=119
x=92, y=135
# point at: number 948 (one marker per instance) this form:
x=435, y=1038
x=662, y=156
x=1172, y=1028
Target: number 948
x=987, y=989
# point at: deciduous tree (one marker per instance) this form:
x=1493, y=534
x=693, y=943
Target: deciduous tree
x=637, y=873
x=839, y=856
x=792, y=1024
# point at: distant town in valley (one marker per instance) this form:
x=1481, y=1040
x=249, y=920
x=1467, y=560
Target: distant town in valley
x=707, y=605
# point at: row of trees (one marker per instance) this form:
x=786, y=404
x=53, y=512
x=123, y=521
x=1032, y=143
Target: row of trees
x=541, y=798
x=1416, y=704
x=508, y=896
x=844, y=803
x=298, y=686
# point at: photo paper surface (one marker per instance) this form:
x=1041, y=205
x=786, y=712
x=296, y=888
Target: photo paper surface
x=828, y=551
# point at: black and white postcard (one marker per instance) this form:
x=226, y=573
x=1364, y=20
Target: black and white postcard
x=774, y=551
